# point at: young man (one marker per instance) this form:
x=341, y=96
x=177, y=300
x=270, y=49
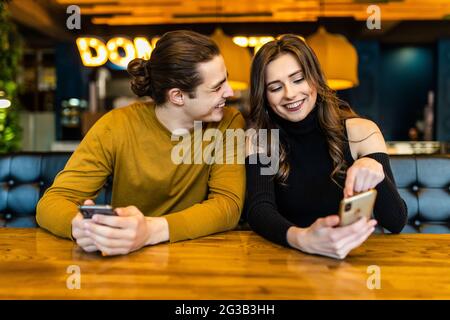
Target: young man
x=156, y=198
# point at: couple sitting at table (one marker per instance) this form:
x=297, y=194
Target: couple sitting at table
x=325, y=152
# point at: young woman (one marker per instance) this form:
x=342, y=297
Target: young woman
x=326, y=152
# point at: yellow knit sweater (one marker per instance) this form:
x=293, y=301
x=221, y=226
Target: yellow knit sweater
x=135, y=148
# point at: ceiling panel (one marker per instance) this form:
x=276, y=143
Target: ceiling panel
x=145, y=12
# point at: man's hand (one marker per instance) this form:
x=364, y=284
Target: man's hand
x=79, y=232
x=127, y=232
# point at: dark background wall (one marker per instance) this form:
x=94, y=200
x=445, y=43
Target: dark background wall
x=394, y=85
x=443, y=87
x=72, y=82
x=407, y=74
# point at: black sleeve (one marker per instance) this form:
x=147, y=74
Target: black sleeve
x=262, y=212
x=390, y=209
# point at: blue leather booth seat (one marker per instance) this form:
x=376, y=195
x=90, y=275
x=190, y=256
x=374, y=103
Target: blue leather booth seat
x=24, y=177
x=423, y=182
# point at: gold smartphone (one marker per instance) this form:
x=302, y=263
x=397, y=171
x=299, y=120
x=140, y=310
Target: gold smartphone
x=353, y=208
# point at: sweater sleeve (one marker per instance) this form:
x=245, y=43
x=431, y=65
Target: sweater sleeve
x=262, y=212
x=83, y=176
x=222, y=208
x=390, y=209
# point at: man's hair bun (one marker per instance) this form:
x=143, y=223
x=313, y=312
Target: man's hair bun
x=140, y=77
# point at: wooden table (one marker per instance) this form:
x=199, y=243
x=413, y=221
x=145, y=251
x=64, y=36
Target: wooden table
x=234, y=265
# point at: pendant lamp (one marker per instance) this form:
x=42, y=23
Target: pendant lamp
x=338, y=58
x=237, y=60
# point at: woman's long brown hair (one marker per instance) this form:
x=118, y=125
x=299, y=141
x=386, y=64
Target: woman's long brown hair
x=331, y=110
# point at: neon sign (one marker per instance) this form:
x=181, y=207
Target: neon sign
x=120, y=51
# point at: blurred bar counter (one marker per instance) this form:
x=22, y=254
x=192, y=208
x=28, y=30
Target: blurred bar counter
x=417, y=147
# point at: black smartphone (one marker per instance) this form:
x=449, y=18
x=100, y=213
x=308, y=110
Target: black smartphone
x=89, y=211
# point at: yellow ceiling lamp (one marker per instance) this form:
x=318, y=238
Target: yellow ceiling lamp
x=338, y=58
x=237, y=60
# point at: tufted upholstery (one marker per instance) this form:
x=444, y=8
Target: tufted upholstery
x=424, y=183
x=23, y=179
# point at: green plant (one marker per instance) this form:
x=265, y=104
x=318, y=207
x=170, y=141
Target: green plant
x=10, y=58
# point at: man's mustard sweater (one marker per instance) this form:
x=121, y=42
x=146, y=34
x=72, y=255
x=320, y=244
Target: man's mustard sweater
x=135, y=148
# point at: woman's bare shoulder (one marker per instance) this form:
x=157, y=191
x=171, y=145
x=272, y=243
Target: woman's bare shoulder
x=365, y=137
